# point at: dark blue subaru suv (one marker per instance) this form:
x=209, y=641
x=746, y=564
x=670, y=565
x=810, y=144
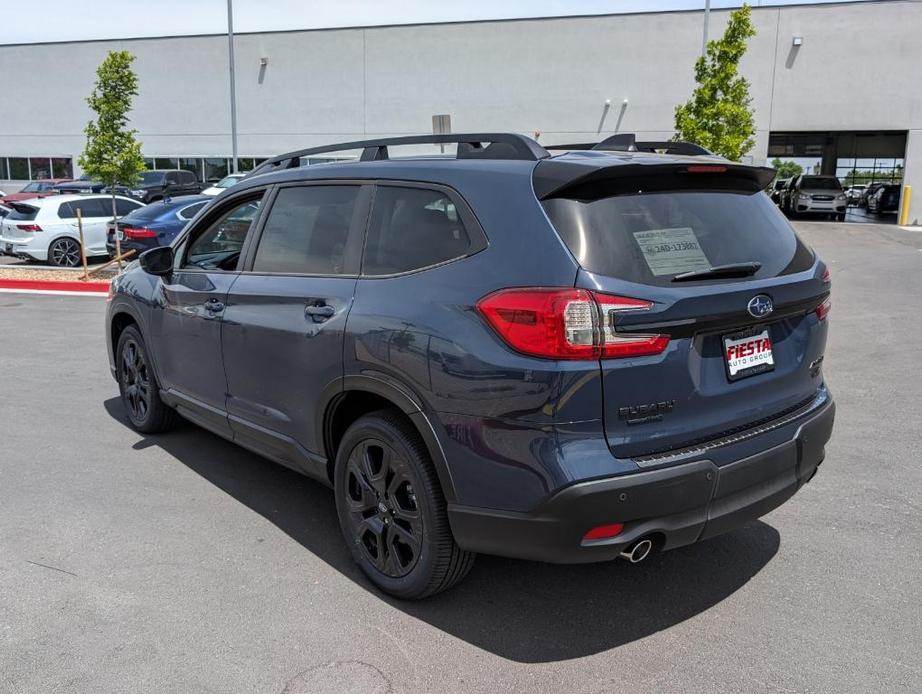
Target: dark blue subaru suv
x=569, y=358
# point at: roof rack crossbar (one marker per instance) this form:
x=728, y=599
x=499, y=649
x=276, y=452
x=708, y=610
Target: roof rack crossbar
x=511, y=146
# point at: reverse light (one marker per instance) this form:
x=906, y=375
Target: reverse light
x=823, y=309
x=566, y=323
x=28, y=227
x=139, y=233
x=604, y=532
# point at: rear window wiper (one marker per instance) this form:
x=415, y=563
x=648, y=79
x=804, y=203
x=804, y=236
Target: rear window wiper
x=731, y=270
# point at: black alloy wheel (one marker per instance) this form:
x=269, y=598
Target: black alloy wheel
x=392, y=510
x=138, y=385
x=383, y=509
x=64, y=252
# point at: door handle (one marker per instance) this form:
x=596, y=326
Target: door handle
x=214, y=306
x=319, y=313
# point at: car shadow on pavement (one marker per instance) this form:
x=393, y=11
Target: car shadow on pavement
x=523, y=611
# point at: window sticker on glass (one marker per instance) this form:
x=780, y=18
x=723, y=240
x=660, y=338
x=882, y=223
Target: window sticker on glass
x=671, y=251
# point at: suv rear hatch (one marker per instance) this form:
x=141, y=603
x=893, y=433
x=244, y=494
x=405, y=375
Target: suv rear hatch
x=740, y=298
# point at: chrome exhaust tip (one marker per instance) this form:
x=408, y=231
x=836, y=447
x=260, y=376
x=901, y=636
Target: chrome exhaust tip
x=638, y=551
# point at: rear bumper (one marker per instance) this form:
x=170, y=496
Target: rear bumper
x=679, y=505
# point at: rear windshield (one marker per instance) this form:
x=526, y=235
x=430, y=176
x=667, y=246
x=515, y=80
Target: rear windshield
x=24, y=213
x=149, y=213
x=650, y=238
x=820, y=183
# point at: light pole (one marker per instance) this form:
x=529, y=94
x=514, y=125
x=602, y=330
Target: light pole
x=707, y=18
x=233, y=95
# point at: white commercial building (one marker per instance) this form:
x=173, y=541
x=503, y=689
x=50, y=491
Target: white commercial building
x=838, y=84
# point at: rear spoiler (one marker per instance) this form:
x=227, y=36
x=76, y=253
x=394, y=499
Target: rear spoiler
x=627, y=142
x=593, y=180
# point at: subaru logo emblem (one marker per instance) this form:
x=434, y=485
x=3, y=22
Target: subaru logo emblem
x=760, y=306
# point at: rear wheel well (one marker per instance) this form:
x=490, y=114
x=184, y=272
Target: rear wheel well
x=345, y=410
x=120, y=321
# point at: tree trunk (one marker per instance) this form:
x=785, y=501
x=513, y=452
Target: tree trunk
x=118, y=244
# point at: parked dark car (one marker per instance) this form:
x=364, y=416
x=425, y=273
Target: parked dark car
x=563, y=358
x=870, y=191
x=885, y=199
x=777, y=189
x=35, y=189
x=154, y=225
x=816, y=195
x=157, y=184
x=84, y=184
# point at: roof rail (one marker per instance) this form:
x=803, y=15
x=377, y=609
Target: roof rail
x=470, y=146
x=626, y=142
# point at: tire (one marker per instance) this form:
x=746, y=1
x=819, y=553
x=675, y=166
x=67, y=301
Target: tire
x=840, y=217
x=138, y=386
x=64, y=252
x=392, y=511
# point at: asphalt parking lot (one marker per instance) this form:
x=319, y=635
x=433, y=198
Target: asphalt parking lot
x=181, y=563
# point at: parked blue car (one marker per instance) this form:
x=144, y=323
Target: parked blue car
x=565, y=357
x=156, y=224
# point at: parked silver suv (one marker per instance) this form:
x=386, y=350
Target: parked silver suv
x=817, y=195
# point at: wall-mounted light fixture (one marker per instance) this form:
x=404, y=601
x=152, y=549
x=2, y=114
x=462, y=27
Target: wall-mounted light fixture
x=798, y=41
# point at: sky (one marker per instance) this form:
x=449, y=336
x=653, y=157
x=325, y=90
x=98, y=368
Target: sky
x=73, y=20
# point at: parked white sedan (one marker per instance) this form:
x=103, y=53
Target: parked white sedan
x=45, y=229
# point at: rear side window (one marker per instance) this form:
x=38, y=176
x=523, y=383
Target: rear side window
x=413, y=228
x=306, y=231
x=650, y=238
x=91, y=207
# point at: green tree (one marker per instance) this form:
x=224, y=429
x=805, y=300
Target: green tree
x=786, y=169
x=112, y=154
x=719, y=114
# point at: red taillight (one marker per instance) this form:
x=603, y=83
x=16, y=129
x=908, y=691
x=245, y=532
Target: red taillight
x=823, y=309
x=827, y=278
x=566, y=323
x=139, y=233
x=29, y=227
x=603, y=532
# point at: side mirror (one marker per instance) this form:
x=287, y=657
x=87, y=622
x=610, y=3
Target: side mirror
x=157, y=261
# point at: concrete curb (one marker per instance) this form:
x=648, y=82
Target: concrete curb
x=66, y=287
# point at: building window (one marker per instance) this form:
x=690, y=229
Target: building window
x=39, y=168
x=215, y=168
x=62, y=167
x=867, y=170
x=19, y=169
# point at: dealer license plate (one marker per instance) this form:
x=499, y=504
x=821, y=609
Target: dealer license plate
x=748, y=353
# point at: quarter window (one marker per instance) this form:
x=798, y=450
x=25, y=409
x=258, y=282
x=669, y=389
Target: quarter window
x=123, y=207
x=413, y=228
x=306, y=231
x=190, y=211
x=218, y=246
